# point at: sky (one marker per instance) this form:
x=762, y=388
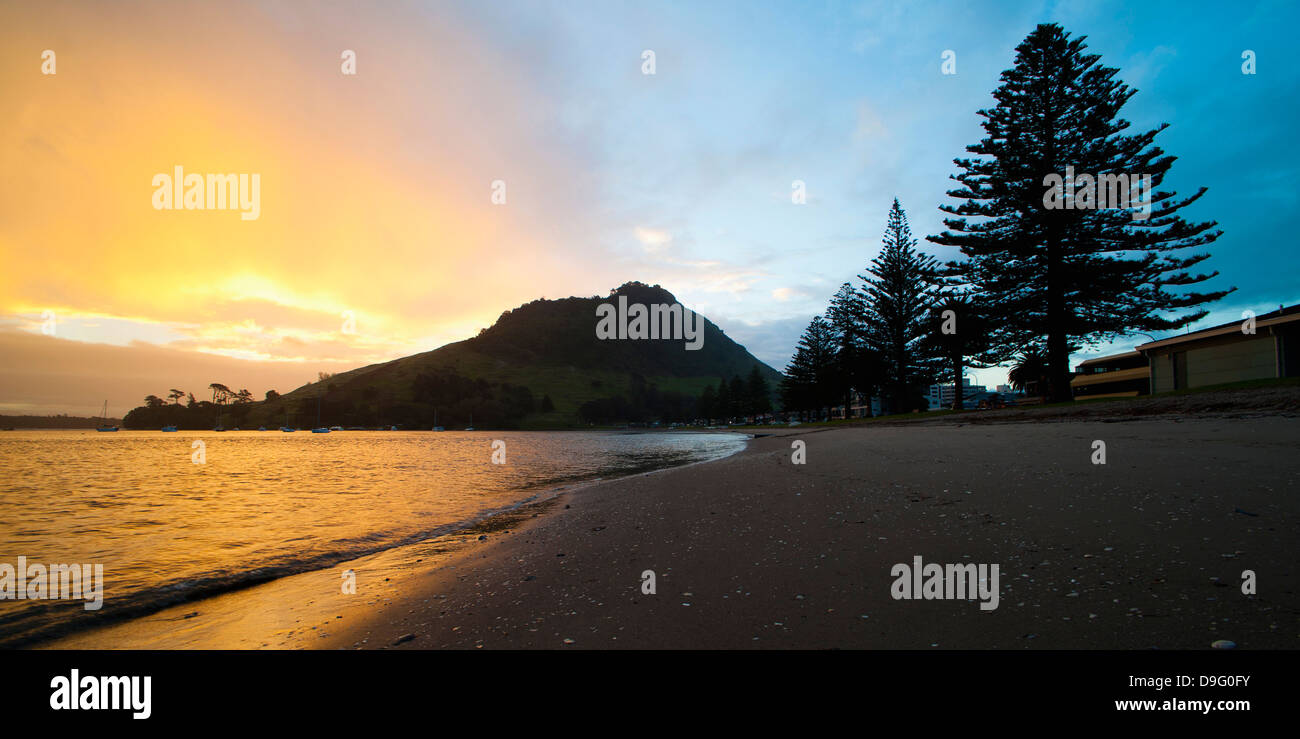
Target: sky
x=377, y=234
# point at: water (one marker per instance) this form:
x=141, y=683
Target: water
x=268, y=504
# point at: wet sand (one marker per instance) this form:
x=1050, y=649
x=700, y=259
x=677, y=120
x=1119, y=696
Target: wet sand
x=752, y=551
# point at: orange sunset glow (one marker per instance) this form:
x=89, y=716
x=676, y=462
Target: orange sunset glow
x=374, y=200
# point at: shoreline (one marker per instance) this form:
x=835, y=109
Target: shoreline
x=393, y=560
x=751, y=551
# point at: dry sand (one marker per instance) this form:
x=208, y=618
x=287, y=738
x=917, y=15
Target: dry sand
x=752, y=551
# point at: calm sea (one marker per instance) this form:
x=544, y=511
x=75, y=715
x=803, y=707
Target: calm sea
x=266, y=504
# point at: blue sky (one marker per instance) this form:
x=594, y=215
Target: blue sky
x=849, y=98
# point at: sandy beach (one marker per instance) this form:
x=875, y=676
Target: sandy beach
x=1145, y=551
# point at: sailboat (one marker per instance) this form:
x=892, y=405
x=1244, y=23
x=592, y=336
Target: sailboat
x=104, y=426
x=169, y=428
x=286, y=427
x=319, y=428
x=436, y=427
x=470, y=427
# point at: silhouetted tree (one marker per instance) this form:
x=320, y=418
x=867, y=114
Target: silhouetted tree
x=1052, y=265
x=722, y=404
x=957, y=332
x=708, y=403
x=808, y=381
x=847, y=318
x=739, y=396
x=758, y=393
x=1029, y=375
x=899, y=288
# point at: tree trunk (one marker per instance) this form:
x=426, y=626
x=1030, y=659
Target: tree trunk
x=1058, y=351
x=957, y=388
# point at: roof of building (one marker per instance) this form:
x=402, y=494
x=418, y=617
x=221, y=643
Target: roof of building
x=1286, y=314
x=1109, y=358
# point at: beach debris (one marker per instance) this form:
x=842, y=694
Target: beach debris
x=568, y=641
x=190, y=615
x=403, y=639
x=1223, y=644
x=1245, y=513
x=482, y=537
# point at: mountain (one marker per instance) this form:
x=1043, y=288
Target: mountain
x=540, y=365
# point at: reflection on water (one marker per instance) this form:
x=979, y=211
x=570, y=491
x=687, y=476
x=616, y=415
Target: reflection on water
x=266, y=504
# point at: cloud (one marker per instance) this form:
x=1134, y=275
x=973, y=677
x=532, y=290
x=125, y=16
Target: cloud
x=785, y=293
x=374, y=198
x=771, y=341
x=46, y=375
x=654, y=240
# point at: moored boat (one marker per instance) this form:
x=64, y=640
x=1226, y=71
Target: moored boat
x=104, y=425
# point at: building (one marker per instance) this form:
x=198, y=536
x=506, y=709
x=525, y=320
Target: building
x=941, y=396
x=863, y=406
x=1267, y=346
x=1114, y=376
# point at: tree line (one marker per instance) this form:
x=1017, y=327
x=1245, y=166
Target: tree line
x=1042, y=272
x=226, y=408
x=738, y=398
x=644, y=402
